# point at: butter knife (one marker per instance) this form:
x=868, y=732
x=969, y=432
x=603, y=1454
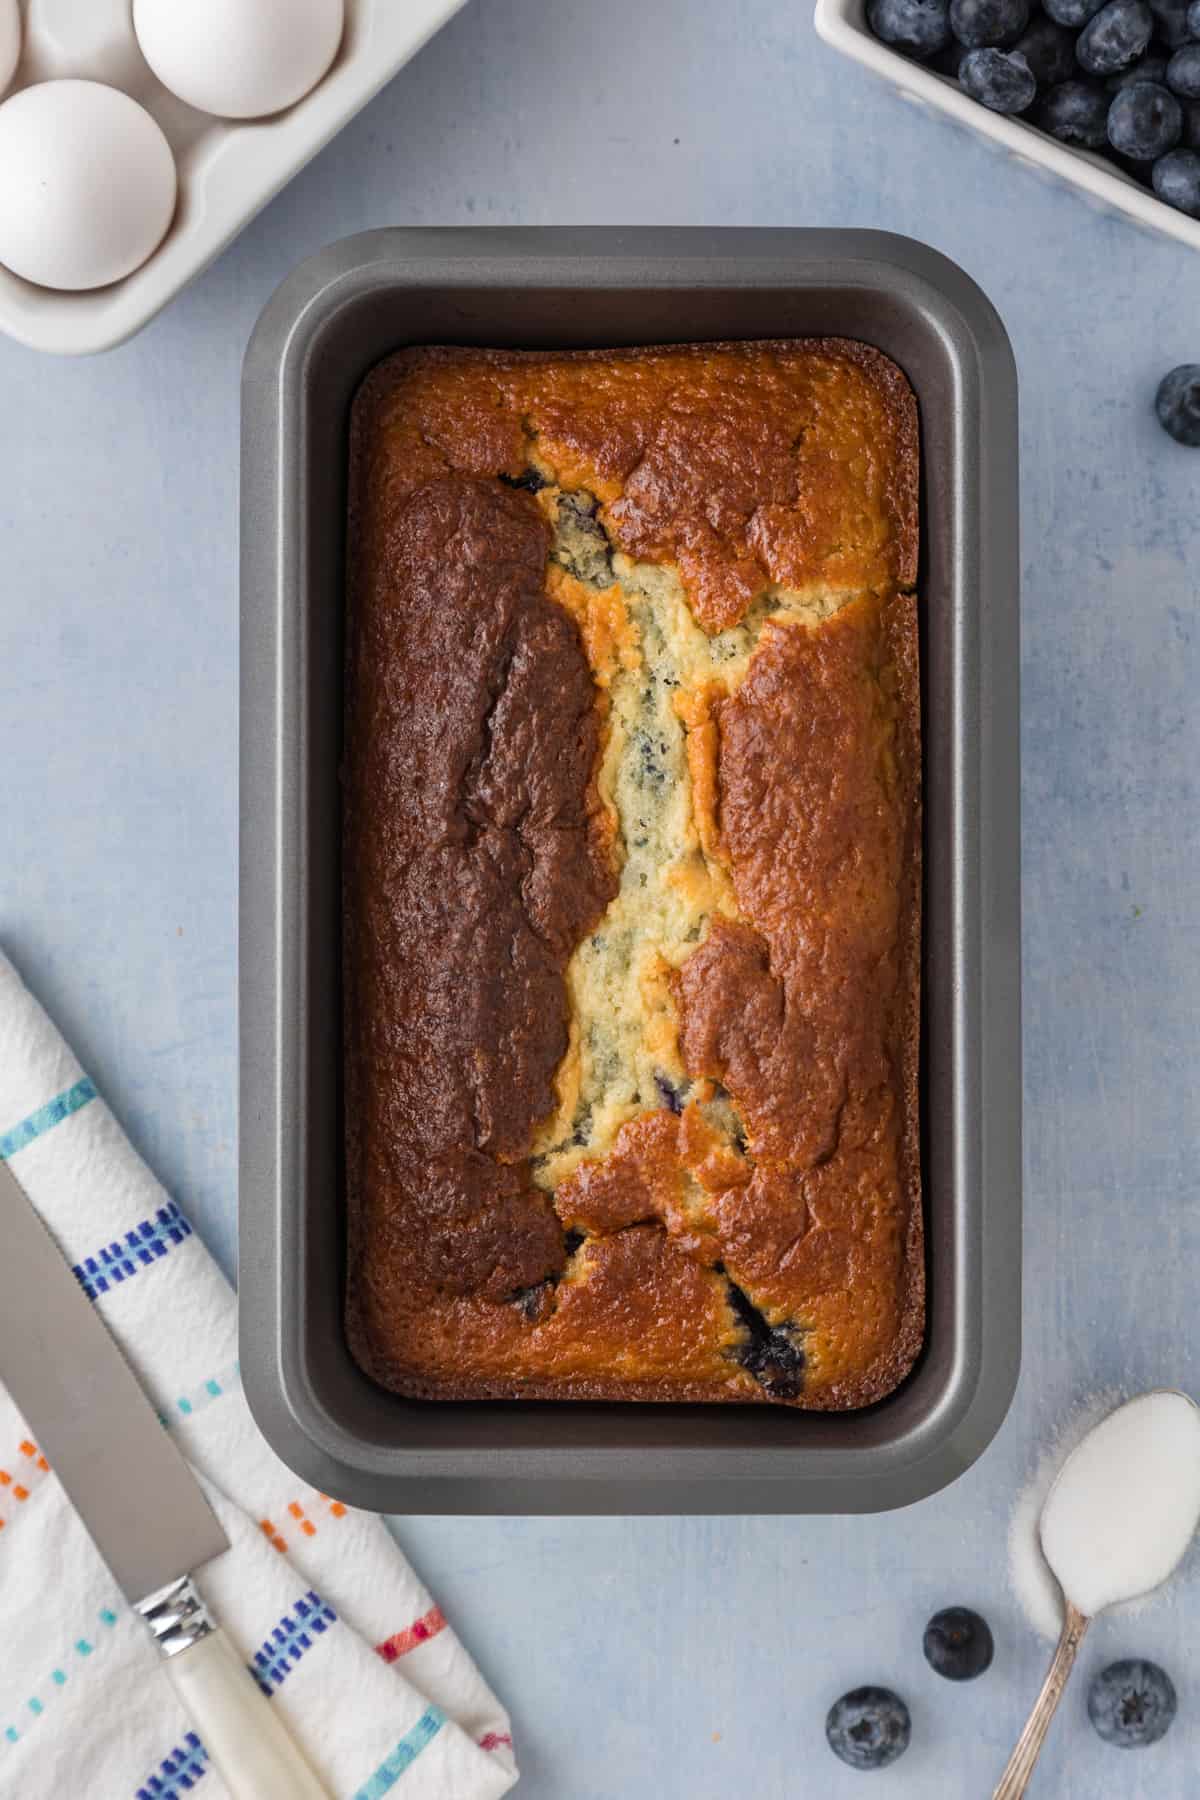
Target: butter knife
x=137, y=1497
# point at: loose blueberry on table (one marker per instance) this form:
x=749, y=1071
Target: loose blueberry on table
x=958, y=1644
x=1121, y=77
x=1131, y=1704
x=1177, y=404
x=868, y=1728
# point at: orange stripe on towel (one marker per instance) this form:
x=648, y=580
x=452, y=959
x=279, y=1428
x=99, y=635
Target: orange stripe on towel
x=297, y=1519
x=408, y=1639
x=35, y=1467
x=306, y=1525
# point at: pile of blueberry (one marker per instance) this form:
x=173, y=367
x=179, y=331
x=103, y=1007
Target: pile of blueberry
x=1130, y=1703
x=1118, y=76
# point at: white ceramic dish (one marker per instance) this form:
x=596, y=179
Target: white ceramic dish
x=843, y=24
x=227, y=171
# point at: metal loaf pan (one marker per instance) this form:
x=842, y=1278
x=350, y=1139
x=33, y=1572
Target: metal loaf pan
x=336, y=316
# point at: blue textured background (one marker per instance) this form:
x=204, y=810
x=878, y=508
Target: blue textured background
x=689, y=1658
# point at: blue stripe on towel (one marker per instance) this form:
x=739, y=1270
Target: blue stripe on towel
x=58, y=1677
x=177, y=1773
x=403, y=1756
x=292, y=1636
x=142, y=1245
x=225, y=1381
x=46, y=1118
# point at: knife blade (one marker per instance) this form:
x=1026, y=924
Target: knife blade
x=138, y=1499
x=140, y=1502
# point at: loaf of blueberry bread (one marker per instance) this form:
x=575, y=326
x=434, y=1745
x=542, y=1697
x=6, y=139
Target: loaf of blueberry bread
x=632, y=875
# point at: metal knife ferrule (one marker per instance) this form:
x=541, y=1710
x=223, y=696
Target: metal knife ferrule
x=176, y=1615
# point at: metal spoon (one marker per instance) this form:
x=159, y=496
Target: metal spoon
x=1015, y=1779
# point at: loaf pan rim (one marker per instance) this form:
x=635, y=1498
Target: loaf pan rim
x=850, y=1462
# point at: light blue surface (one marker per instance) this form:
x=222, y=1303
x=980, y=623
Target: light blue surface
x=692, y=1658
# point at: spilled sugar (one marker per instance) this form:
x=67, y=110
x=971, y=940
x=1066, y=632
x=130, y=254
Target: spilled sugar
x=1029, y=1573
x=1121, y=1520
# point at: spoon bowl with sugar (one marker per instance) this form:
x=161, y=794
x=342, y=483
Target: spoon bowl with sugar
x=1115, y=1525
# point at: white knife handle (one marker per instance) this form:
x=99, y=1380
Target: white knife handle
x=243, y=1733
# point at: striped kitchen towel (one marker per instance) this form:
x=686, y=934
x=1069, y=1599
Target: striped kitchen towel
x=334, y=1624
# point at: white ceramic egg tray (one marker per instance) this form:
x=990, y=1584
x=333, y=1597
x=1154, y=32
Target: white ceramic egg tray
x=843, y=24
x=227, y=171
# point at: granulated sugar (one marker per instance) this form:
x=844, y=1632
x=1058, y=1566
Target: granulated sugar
x=1136, y=1529
x=1124, y=1509
x=1032, y=1581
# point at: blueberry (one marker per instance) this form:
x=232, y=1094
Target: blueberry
x=1144, y=121
x=868, y=1728
x=1131, y=1704
x=958, y=1644
x=1170, y=22
x=1183, y=72
x=1193, y=20
x=981, y=24
x=668, y=1092
x=1176, y=180
x=1049, y=49
x=999, y=79
x=1116, y=37
x=1191, y=125
x=1146, y=68
x=1075, y=113
x=773, y=1354
x=529, y=481
x=1177, y=404
x=917, y=27
x=1071, y=12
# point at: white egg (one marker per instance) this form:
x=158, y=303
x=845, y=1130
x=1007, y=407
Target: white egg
x=88, y=188
x=239, y=59
x=10, y=41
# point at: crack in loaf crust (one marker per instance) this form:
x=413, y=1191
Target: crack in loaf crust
x=632, y=875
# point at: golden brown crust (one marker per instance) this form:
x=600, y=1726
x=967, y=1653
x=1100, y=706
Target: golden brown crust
x=788, y=1266
x=775, y=461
